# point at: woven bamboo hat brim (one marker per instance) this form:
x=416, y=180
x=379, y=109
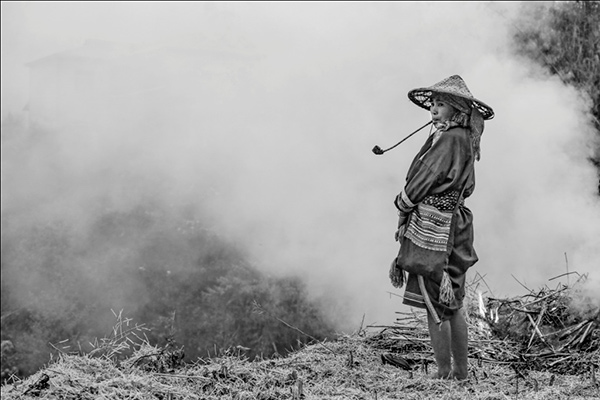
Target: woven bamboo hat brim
x=453, y=85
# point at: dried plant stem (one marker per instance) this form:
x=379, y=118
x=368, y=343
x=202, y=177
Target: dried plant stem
x=204, y=378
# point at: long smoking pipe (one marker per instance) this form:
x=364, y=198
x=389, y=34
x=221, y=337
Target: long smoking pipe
x=377, y=150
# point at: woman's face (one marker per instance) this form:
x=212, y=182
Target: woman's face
x=440, y=110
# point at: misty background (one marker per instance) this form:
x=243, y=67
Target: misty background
x=258, y=119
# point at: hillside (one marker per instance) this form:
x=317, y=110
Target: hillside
x=352, y=371
x=547, y=363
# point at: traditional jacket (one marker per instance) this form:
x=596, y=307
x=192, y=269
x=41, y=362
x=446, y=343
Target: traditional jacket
x=438, y=171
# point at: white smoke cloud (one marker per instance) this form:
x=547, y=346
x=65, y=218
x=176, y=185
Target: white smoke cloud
x=280, y=153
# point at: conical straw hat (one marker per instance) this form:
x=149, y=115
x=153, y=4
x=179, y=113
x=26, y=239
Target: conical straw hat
x=453, y=85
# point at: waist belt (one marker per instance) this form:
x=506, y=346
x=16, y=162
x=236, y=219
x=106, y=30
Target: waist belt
x=444, y=201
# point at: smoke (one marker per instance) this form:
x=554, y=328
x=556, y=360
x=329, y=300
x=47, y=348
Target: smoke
x=284, y=102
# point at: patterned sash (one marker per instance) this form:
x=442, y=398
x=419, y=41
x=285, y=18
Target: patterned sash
x=430, y=221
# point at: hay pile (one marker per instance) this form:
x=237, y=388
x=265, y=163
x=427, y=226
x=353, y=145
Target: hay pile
x=351, y=367
x=554, y=330
x=353, y=371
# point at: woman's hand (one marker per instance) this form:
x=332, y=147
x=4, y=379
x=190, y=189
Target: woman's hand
x=396, y=275
x=402, y=218
x=400, y=232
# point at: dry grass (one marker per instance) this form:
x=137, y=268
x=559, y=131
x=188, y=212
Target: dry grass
x=349, y=368
x=355, y=371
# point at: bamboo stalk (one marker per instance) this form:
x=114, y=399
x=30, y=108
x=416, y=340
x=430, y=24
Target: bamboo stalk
x=538, y=331
x=586, y=332
x=574, y=337
x=573, y=329
x=536, y=326
x=545, y=297
x=560, y=360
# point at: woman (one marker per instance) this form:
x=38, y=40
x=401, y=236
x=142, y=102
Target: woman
x=435, y=228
